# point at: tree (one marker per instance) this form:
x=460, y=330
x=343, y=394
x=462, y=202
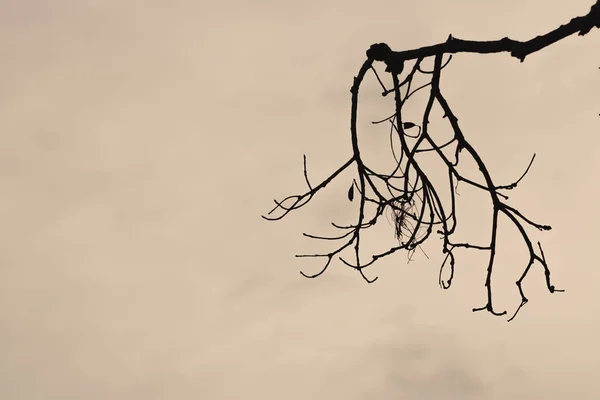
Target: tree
x=408, y=192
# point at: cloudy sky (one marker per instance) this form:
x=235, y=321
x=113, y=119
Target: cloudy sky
x=141, y=141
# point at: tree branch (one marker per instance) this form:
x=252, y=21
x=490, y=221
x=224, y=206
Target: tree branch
x=414, y=201
x=520, y=50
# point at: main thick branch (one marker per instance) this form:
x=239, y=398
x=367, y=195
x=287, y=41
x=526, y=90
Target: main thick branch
x=520, y=50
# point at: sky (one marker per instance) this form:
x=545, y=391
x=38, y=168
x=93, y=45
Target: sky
x=140, y=142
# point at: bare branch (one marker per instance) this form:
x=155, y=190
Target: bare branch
x=517, y=49
x=414, y=203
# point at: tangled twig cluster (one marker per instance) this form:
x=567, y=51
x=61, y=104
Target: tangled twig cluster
x=409, y=193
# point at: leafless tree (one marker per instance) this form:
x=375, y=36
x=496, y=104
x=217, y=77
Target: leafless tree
x=409, y=193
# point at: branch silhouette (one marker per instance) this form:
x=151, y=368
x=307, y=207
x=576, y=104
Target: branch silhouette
x=409, y=194
x=581, y=25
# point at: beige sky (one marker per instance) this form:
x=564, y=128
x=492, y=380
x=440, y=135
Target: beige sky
x=141, y=141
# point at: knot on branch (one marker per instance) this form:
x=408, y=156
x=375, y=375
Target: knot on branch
x=382, y=52
x=520, y=50
x=394, y=66
x=379, y=52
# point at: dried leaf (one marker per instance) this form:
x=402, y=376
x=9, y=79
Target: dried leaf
x=408, y=125
x=351, y=193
